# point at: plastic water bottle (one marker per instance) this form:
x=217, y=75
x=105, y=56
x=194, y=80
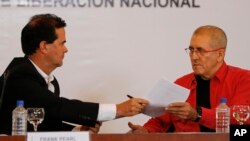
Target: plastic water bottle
x=222, y=117
x=19, y=119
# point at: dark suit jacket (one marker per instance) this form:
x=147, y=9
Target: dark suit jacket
x=25, y=83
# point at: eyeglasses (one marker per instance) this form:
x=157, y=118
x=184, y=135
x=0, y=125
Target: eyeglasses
x=199, y=51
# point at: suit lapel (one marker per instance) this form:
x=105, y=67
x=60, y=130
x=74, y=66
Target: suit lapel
x=56, y=86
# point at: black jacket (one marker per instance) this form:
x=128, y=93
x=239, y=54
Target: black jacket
x=25, y=83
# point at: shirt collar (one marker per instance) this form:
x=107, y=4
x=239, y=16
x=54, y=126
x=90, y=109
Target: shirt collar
x=47, y=78
x=220, y=74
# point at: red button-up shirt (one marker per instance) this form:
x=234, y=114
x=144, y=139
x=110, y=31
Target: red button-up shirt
x=230, y=82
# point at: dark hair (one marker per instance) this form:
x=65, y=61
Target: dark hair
x=40, y=28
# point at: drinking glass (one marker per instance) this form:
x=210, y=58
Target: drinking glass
x=241, y=113
x=35, y=116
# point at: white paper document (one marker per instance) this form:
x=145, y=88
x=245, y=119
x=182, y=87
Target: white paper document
x=162, y=94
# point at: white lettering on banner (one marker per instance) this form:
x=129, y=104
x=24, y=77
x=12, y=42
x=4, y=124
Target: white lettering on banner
x=101, y=3
x=58, y=136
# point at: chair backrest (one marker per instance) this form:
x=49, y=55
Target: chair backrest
x=3, y=79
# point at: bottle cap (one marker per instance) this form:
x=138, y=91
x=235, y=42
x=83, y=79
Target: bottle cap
x=19, y=103
x=223, y=100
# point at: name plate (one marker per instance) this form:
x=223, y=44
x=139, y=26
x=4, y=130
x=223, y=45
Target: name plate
x=58, y=136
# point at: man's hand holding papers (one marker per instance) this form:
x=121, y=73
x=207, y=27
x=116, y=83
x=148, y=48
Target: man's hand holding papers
x=182, y=109
x=164, y=97
x=163, y=94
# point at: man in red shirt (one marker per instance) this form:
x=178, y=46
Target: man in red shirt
x=210, y=80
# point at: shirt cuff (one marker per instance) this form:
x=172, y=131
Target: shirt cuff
x=106, y=112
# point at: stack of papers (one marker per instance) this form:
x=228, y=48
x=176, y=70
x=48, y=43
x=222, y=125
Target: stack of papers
x=162, y=94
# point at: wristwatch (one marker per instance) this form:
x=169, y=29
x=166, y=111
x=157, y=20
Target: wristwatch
x=199, y=113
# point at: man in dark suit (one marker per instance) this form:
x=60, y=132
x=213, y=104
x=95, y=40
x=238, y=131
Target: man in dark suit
x=29, y=78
